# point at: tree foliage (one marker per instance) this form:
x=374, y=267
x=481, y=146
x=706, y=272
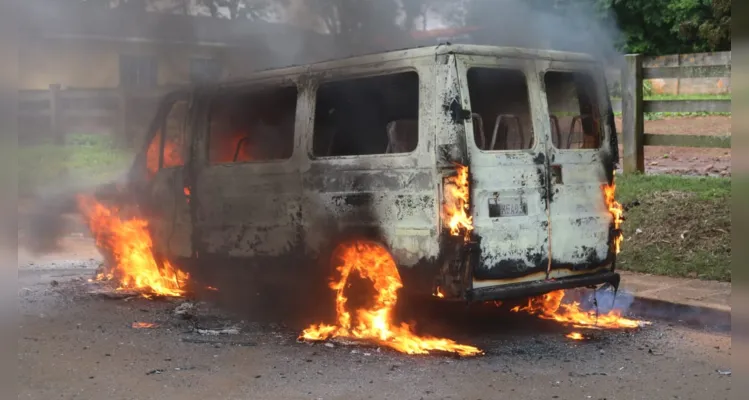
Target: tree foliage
x=672, y=26
x=637, y=26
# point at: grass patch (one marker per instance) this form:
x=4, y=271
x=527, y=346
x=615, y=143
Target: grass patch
x=676, y=226
x=688, y=97
x=674, y=97
x=91, y=158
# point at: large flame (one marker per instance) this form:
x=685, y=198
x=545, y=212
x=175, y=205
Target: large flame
x=617, y=211
x=373, y=262
x=550, y=306
x=130, y=244
x=456, y=203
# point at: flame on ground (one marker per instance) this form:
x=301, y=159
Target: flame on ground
x=130, y=244
x=143, y=325
x=456, y=205
x=373, y=262
x=550, y=306
x=617, y=211
x=575, y=336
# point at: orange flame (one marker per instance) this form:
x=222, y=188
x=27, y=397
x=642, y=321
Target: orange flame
x=438, y=293
x=575, y=336
x=130, y=244
x=550, y=306
x=143, y=325
x=617, y=211
x=172, y=154
x=373, y=262
x=456, y=204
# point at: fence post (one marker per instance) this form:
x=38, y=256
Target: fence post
x=123, y=138
x=55, y=119
x=633, y=123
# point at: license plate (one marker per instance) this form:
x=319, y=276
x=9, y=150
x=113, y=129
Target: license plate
x=507, y=207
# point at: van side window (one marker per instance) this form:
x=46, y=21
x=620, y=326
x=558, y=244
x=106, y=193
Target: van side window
x=500, y=109
x=175, y=140
x=573, y=110
x=252, y=126
x=373, y=115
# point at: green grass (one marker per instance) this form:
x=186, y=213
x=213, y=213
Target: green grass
x=688, y=97
x=672, y=97
x=676, y=226
x=83, y=158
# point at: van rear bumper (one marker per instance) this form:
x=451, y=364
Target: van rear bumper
x=535, y=288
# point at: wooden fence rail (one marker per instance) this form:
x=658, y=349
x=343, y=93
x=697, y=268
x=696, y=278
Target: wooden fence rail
x=633, y=107
x=49, y=112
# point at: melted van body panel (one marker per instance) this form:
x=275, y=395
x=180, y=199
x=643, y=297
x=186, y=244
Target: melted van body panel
x=362, y=147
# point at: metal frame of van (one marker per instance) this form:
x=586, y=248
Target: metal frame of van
x=286, y=215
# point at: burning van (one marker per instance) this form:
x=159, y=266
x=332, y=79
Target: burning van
x=486, y=172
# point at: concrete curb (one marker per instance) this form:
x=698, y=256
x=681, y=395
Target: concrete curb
x=696, y=315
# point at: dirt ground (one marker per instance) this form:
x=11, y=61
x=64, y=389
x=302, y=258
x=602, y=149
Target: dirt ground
x=77, y=345
x=686, y=160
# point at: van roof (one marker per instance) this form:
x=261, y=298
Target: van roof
x=395, y=55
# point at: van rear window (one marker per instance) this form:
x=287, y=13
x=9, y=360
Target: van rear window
x=501, y=109
x=373, y=115
x=252, y=126
x=573, y=110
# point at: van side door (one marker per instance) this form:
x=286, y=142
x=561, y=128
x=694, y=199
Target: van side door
x=159, y=174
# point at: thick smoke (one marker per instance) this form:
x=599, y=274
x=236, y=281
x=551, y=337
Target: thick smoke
x=362, y=27
x=533, y=24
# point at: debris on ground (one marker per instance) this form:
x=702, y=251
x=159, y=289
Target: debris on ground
x=113, y=294
x=231, y=330
x=215, y=342
x=185, y=310
x=155, y=372
x=723, y=372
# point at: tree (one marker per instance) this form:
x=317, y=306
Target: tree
x=238, y=9
x=673, y=26
x=359, y=26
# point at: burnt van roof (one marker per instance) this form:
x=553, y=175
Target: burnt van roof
x=403, y=54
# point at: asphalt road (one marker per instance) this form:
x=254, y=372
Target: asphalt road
x=74, y=345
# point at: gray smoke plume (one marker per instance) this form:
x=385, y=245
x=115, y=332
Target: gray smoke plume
x=307, y=31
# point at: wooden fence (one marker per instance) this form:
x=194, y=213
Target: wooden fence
x=55, y=112
x=634, y=107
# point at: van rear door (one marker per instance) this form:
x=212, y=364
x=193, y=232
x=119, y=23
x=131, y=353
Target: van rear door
x=508, y=171
x=582, y=158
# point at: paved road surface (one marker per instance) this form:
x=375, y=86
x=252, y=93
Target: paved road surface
x=73, y=345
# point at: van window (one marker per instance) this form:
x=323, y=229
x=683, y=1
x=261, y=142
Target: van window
x=373, y=115
x=500, y=109
x=175, y=141
x=252, y=126
x=573, y=110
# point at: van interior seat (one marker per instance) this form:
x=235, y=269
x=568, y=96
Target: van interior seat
x=479, y=134
x=403, y=135
x=499, y=122
x=555, y=129
x=573, y=124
